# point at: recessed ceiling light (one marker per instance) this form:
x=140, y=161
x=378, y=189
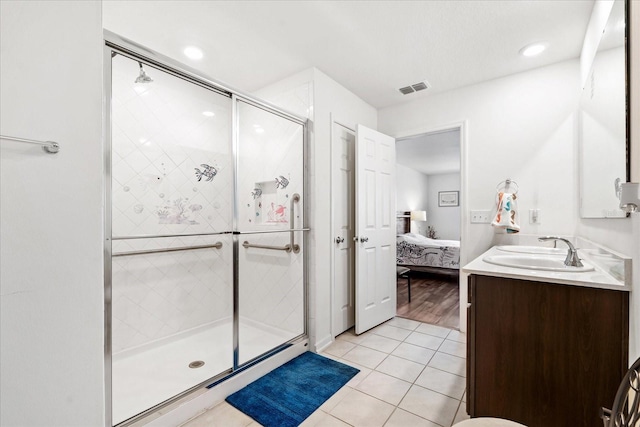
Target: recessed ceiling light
x=208, y=113
x=193, y=52
x=533, y=49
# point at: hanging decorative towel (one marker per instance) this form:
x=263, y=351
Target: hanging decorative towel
x=505, y=220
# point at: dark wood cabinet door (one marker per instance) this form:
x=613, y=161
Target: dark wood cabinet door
x=544, y=354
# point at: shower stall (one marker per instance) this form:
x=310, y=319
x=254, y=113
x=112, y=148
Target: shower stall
x=205, y=242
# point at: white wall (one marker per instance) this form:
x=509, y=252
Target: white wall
x=294, y=94
x=445, y=219
x=412, y=188
x=331, y=102
x=51, y=215
x=521, y=127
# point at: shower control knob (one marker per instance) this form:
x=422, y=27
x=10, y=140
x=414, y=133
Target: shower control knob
x=364, y=239
x=339, y=239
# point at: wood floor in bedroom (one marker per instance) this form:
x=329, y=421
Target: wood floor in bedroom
x=435, y=299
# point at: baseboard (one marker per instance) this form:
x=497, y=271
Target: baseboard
x=324, y=343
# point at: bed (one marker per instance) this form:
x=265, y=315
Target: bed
x=421, y=253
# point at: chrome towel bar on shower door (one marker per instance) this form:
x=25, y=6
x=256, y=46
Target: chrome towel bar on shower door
x=216, y=245
x=286, y=248
x=48, y=146
x=157, y=236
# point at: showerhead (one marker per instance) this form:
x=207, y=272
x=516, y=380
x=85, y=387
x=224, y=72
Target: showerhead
x=143, y=78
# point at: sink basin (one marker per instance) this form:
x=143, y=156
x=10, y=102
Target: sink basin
x=532, y=250
x=535, y=262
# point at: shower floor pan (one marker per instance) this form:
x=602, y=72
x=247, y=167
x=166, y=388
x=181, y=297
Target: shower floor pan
x=145, y=378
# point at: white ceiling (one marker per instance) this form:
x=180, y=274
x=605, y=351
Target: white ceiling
x=371, y=47
x=431, y=154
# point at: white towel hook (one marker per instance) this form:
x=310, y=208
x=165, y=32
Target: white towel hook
x=504, y=185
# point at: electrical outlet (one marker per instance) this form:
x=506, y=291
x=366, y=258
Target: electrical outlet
x=534, y=216
x=480, y=217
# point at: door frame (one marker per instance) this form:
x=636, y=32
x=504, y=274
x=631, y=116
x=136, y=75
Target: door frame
x=332, y=259
x=462, y=125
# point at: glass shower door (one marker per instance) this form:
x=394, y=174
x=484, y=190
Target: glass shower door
x=270, y=199
x=172, y=257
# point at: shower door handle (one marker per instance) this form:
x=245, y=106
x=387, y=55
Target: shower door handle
x=292, y=217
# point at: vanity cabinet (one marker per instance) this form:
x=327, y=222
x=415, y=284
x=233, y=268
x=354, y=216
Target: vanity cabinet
x=544, y=354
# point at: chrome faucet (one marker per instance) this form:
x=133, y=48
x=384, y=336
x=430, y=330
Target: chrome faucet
x=572, y=259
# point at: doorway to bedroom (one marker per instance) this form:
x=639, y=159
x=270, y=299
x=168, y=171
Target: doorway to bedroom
x=428, y=183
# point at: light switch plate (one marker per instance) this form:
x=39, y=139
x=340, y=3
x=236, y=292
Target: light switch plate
x=480, y=217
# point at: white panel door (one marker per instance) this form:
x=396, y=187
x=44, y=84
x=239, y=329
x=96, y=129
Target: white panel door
x=375, y=229
x=343, y=143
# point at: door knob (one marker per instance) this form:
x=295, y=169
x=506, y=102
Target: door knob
x=339, y=239
x=355, y=239
x=364, y=239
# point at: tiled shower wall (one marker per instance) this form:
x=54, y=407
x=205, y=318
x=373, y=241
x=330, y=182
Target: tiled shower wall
x=171, y=175
x=159, y=295
x=270, y=173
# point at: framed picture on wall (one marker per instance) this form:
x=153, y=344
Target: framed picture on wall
x=448, y=198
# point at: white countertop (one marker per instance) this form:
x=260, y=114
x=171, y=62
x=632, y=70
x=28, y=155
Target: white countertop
x=598, y=278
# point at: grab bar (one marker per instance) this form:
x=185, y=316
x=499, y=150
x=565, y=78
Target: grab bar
x=164, y=236
x=216, y=245
x=292, y=246
x=48, y=146
x=294, y=199
x=270, y=231
x=286, y=248
x=168, y=235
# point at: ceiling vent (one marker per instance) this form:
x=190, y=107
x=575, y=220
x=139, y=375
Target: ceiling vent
x=419, y=86
x=413, y=88
x=406, y=90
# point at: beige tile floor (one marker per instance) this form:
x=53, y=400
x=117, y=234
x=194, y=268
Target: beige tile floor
x=411, y=374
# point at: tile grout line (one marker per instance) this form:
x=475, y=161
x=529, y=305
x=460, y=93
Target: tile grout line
x=411, y=383
x=405, y=394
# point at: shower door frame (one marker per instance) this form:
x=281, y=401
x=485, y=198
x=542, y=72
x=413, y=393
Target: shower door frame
x=137, y=52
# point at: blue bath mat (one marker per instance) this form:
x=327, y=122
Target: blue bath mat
x=287, y=395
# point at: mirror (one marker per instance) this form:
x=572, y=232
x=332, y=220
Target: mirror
x=603, y=136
